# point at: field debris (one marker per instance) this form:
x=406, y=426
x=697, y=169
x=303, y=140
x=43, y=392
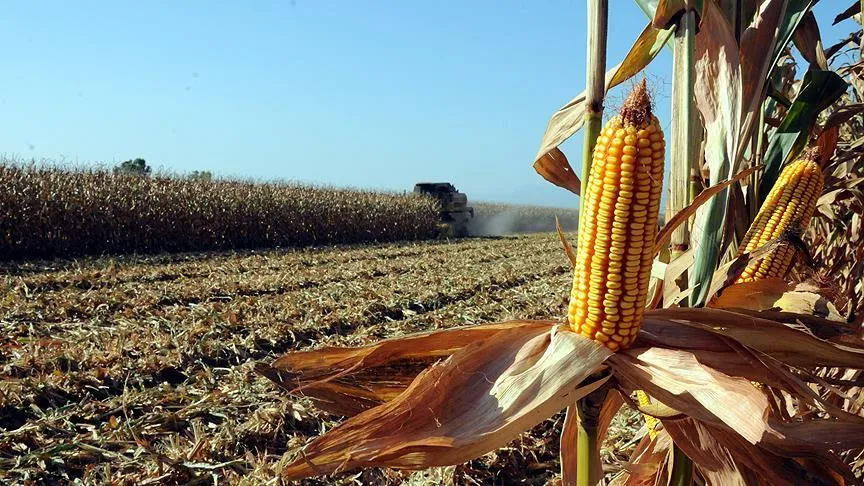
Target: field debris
x=139, y=370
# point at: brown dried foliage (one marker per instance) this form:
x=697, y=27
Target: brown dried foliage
x=836, y=233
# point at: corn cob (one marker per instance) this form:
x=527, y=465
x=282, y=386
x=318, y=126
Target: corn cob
x=619, y=225
x=651, y=422
x=789, y=206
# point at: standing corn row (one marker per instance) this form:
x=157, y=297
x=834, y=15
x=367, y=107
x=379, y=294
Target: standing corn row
x=789, y=206
x=619, y=225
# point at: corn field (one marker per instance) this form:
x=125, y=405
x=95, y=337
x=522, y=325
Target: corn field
x=56, y=212
x=723, y=348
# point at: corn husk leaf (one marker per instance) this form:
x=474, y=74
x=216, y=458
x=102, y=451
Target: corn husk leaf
x=722, y=457
x=650, y=463
x=715, y=463
x=820, y=433
x=501, y=379
x=555, y=168
x=679, y=380
x=774, y=294
x=794, y=345
x=674, y=270
x=820, y=90
x=827, y=144
x=731, y=357
x=759, y=295
x=477, y=400
x=346, y=381
x=711, y=386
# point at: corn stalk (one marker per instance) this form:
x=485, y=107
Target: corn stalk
x=682, y=468
x=595, y=83
x=685, y=144
x=588, y=468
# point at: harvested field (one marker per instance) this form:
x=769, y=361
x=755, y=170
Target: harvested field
x=139, y=370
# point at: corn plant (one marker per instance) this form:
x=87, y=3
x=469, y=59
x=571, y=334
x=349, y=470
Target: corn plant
x=446, y=397
x=730, y=383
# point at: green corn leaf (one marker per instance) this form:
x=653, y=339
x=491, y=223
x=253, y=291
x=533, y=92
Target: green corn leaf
x=820, y=90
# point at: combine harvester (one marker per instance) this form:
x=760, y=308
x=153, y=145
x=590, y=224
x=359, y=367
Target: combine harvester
x=455, y=213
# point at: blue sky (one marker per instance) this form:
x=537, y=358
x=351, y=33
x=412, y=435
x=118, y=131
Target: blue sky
x=373, y=94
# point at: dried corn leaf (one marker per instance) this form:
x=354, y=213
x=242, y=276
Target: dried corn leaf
x=718, y=99
x=568, y=249
x=555, y=168
x=475, y=401
x=667, y=12
x=808, y=40
x=650, y=463
x=795, y=346
x=819, y=433
x=346, y=381
x=666, y=233
x=679, y=380
x=843, y=114
x=850, y=12
x=722, y=457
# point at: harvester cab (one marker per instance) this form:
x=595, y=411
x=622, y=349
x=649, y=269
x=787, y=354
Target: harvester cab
x=455, y=213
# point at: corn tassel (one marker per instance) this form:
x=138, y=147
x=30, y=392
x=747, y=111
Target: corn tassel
x=788, y=207
x=619, y=225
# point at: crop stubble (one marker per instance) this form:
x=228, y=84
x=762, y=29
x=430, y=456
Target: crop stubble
x=136, y=369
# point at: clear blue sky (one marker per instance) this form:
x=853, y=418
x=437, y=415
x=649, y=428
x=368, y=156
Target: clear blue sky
x=373, y=94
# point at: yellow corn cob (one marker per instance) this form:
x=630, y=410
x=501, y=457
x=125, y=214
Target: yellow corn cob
x=789, y=205
x=651, y=422
x=619, y=225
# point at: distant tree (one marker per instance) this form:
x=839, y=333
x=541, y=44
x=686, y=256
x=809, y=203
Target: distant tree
x=133, y=167
x=201, y=175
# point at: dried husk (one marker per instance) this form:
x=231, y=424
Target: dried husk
x=477, y=400
x=480, y=393
x=347, y=381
